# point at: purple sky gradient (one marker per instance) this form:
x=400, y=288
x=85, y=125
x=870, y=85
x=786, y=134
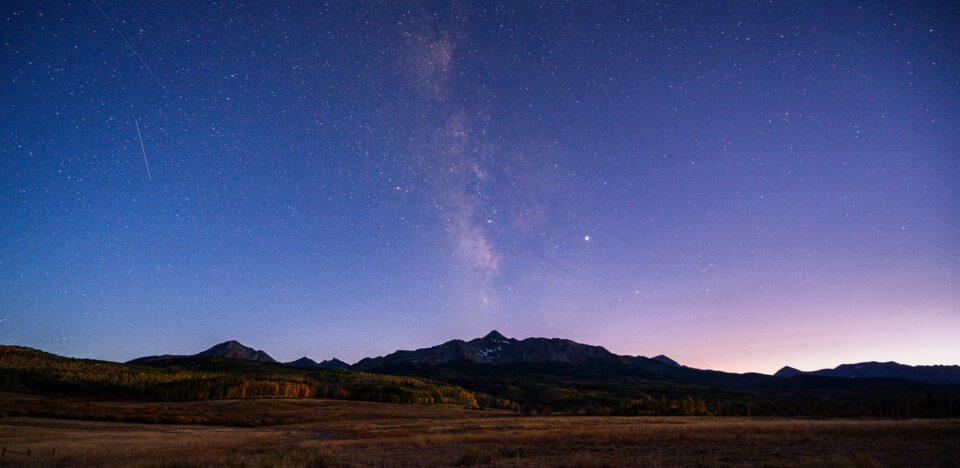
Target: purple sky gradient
x=740, y=186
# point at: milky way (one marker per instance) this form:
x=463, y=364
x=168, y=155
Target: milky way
x=736, y=185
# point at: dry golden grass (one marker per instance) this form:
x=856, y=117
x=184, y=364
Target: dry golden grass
x=342, y=433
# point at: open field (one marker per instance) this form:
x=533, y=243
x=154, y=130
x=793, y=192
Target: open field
x=345, y=433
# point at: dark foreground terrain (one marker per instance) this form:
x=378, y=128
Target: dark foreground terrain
x=350, y=433
x=225, y=409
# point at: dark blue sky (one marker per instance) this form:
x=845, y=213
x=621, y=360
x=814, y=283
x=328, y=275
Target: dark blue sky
x=739, y=185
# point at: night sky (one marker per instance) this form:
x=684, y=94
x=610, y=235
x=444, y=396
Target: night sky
x=738, y=185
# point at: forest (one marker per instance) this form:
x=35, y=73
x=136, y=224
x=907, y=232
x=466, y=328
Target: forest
x=193, y=379
x=199, y=379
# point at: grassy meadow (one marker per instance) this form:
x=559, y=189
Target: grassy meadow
x=57, y=411
x=352, y=433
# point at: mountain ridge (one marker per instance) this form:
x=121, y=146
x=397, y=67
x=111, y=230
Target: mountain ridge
x=932, y=374
x=496, y=349
x=308, y=363
x=492, y=348
x=231, y=349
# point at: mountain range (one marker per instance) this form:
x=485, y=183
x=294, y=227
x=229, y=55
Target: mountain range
x=234, y=350
x=311, y=364
x=532, y=375
x=494, y=348
x=496, y=352
x=883, y=370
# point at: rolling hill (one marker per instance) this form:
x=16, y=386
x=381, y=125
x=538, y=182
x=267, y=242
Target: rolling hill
x=202, y=377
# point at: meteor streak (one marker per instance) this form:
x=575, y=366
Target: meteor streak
x=143, y=151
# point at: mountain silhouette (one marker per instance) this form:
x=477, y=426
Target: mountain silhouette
x=495, y=351
x=308, y=363
x=228, y=349
x=884, y=370
x=493, y=348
